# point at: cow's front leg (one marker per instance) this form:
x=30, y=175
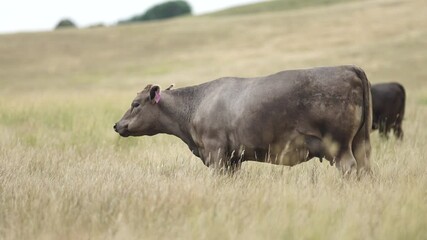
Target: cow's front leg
x=220, y=160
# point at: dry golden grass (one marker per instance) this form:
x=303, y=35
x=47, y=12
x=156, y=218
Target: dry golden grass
x=64, y=174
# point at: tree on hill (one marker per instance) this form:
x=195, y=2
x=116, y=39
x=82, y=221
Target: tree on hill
x=164, y=10
x=65, y=23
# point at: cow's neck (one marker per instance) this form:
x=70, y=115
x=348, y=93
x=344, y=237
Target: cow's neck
x=177, y=107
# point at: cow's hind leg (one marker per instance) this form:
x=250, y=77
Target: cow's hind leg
x=398, y=132
x=383, y=129
x=397, y=129
x=345, y=160
x=362, y=151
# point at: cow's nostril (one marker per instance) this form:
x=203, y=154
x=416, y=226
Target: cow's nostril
x=115, y=126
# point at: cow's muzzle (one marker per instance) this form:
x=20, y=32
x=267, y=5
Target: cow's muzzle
x=122, y=130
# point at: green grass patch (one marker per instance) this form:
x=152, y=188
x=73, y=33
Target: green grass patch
x=274, y=6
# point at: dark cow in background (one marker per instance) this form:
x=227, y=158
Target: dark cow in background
x=388, y=104
x=285, y=118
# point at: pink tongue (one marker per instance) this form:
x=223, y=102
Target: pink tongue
x=157, y=97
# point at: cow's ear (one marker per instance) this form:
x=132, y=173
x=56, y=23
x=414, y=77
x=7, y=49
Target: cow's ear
x=154, y=94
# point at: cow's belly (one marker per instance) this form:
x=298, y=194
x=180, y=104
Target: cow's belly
x=289, y=150
x=284, y=156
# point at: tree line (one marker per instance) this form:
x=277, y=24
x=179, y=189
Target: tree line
x=160, y=11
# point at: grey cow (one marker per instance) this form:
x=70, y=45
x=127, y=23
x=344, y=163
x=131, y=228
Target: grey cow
x=286, y=118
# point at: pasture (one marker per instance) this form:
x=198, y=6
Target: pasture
x=65, y=174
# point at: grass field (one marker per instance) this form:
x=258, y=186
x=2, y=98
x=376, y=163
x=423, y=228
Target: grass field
x=64, y=173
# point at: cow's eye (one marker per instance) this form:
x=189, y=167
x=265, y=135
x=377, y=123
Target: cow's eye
x=135, y=104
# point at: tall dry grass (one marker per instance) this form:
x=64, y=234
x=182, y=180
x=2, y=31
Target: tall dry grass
x=64, y=174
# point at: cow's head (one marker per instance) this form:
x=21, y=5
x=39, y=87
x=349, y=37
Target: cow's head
x=142, y=117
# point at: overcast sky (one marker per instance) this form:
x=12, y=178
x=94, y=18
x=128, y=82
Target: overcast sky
x=40, y=15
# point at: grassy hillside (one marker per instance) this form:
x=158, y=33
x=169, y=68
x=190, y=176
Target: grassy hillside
x=275, y=5
x=64, y=173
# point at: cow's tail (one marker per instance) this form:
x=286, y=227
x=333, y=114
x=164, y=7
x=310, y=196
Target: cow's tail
x=402, y=109
x=366, y=124
x=398, y=129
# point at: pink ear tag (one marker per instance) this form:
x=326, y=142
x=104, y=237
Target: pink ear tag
x=157, y=97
